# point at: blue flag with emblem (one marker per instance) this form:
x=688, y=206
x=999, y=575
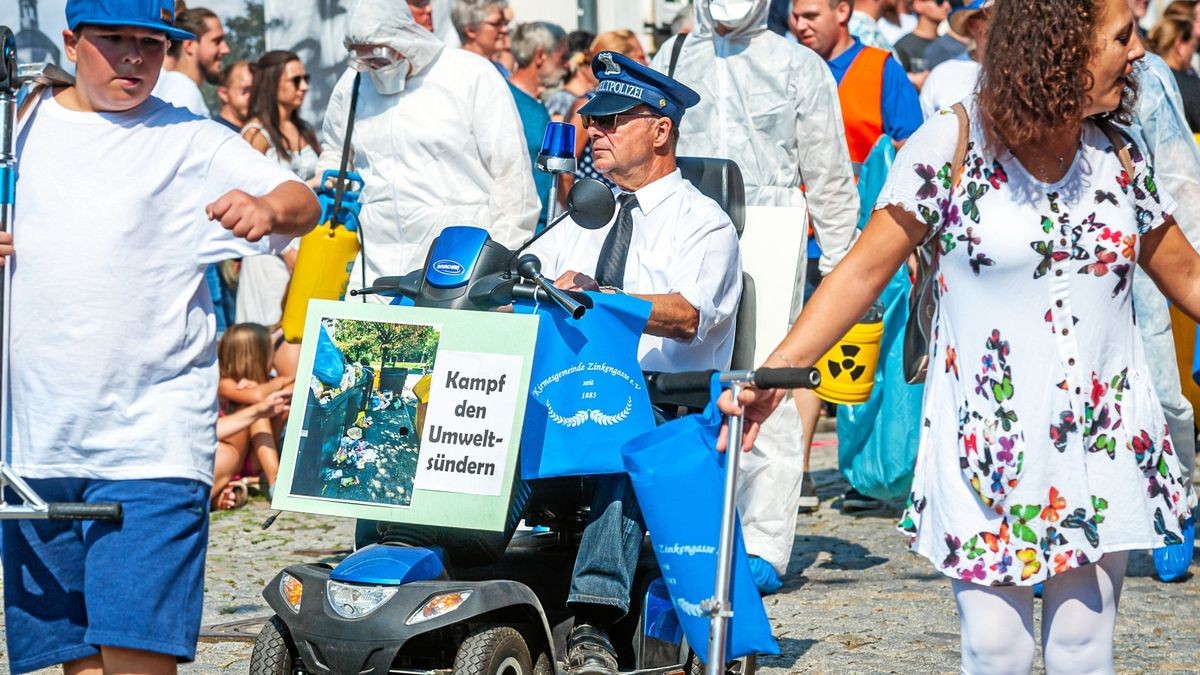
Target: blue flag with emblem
x=586, y=392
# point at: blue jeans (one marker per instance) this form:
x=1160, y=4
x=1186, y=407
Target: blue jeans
x=608, y=553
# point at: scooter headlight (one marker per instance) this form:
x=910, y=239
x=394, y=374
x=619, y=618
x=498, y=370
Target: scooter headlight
x=437, y=606
x=291, y=590
x=355, y=602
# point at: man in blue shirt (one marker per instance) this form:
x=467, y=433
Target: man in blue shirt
x=540, y=51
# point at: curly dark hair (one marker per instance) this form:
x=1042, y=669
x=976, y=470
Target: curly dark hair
x=1034, y=70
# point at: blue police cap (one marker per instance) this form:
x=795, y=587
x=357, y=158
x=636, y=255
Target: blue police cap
x=625, y=83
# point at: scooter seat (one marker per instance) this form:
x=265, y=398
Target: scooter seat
x=386, y=565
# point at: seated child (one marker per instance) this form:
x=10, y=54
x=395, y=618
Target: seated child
x=245, y=356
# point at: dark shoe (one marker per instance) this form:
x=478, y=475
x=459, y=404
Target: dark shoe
x=589, y=652
x=854, y=500
x=809, y=501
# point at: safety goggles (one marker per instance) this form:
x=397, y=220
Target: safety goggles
x=297, y=79
x=374, y=58
x=610, y=122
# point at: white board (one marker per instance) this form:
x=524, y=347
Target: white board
x=772, y=247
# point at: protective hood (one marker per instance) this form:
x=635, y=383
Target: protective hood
x=745, y=17
x=389, y=22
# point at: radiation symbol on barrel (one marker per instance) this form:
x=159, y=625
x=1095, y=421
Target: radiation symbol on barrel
x=848, y=363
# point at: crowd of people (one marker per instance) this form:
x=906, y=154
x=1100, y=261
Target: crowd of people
x=1038, y=452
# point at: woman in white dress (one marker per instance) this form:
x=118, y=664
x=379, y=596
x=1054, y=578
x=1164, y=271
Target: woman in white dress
x=1044, y=452
x=276, y=130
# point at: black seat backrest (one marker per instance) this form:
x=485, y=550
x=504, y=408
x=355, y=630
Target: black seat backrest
x=721, y=181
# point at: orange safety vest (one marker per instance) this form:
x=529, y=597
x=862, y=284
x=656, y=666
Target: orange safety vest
x=861, y=96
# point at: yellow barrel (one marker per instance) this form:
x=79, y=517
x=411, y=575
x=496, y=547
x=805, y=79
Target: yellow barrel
x=848, y=370
x=322, y=272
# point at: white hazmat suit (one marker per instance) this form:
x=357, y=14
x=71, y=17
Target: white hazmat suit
x=448, y=149
x=770, y=105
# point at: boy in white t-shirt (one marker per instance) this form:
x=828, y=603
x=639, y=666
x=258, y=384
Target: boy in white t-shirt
x=122, y=202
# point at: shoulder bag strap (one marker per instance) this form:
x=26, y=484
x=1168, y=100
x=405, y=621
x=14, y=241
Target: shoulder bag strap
x=960, y=152
x=957, y=162
x=1119, y=143
x=675, y=49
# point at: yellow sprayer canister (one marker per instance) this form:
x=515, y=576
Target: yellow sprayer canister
x=322, y=272
x=848, y=370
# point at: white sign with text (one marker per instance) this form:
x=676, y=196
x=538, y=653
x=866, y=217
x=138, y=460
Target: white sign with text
x=465, y=438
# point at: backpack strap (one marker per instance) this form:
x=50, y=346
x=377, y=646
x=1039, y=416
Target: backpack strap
x=1120, y=144
x=964, y=136
x=32, y=98
x=675, y=49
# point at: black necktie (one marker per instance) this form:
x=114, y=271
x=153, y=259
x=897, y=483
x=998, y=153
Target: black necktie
x=610, y=266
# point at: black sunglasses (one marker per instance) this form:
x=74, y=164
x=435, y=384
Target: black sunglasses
x=610, y=121
x=297, y=79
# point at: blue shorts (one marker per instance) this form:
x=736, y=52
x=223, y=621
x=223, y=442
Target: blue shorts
x=71, y=586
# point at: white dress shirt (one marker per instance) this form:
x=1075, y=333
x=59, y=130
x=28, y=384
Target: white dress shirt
x=682, y=243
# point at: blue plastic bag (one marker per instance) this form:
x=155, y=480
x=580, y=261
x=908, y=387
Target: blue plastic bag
x=1172, y=561
x=586, y=391
x=329, y=363
x=679, y=478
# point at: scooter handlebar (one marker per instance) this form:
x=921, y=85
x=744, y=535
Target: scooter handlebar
x=78, y=511
x=539, y=294
x=668, y=384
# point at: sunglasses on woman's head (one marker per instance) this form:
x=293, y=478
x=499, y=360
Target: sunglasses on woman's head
x=297, y=79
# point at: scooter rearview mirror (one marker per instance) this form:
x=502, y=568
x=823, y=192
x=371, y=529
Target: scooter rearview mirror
x=591, y=204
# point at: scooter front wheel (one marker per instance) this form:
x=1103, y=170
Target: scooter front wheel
x=274, y=653
x=498, y=650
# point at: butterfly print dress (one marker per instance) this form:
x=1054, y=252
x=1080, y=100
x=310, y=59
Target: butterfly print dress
x=1043, y=444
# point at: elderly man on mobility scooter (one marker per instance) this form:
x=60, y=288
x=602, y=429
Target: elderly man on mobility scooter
x=670, y=245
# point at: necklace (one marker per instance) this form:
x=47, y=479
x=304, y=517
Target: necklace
x=1041, y=163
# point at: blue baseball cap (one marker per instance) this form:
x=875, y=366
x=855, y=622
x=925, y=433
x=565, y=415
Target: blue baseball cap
x=625, y=84
x=152, y=14
x=965, y=10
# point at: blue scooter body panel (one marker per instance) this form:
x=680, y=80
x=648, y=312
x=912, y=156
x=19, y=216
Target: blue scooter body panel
x=452, y=260
x=382, y=565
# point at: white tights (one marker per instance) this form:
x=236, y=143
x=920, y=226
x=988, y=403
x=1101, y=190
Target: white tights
x=1079, y=611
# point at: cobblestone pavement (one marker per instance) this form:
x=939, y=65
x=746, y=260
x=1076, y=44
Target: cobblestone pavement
x=854, y=600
